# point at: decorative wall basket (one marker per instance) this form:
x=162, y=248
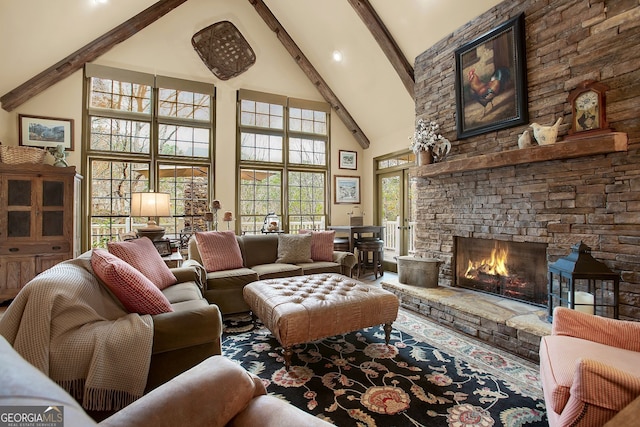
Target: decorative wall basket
x=223, y=49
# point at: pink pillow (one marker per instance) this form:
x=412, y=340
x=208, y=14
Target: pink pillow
x=219, y=250
x=321, y=244
x=135, y=292
x=142, y=255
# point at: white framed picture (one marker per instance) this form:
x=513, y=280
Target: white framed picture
x=348, y=160
x=347, y=189
x=45, y=132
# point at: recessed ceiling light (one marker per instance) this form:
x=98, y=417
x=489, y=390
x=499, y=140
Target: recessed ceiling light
x=337, y=56
x=100, y=1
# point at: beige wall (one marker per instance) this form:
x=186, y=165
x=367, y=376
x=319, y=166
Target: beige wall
x=164, y=48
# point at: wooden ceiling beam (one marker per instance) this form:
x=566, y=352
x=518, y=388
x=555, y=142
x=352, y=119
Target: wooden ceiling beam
x=387, y=43
x=87, y=53
x=313, y=75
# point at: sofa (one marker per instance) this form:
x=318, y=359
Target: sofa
x=216, y=392
x=590, y=370
x=71, y=326
x=259, y=259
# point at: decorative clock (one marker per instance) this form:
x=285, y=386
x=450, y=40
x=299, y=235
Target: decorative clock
x=588, y=111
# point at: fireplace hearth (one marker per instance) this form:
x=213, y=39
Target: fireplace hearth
x=516, y=270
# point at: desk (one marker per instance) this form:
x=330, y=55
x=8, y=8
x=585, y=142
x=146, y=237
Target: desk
x=354, y=231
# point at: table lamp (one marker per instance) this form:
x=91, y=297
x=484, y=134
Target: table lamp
x=151, y=205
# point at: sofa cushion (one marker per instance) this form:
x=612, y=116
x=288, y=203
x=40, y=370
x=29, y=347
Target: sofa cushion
x=259, y=249
x=558, y=360
x=320, y=267
x=274, y=271
x=219, y=250
x=136, y=293
x=185, y=291
x=142, y=255
x=294, y=248
x=321, y=244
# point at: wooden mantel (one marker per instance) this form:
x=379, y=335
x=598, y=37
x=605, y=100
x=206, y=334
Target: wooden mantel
x=577, y=147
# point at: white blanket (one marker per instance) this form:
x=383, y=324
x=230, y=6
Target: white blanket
x=67, y=324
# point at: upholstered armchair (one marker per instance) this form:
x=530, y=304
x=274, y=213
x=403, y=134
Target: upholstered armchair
x=216, y=392
x=590, y=368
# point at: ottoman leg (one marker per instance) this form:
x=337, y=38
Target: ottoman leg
x=287, y=352
x=387, y=333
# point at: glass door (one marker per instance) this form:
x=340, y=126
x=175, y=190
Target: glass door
x=394, y=210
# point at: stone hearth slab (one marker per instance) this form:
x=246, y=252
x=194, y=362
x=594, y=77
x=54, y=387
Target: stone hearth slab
x=510, y=325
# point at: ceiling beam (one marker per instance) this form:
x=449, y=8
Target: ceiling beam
x=387, y=43
x=87, y=53
x=310, y=71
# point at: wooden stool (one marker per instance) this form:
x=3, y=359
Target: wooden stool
x=341, y=244
x=376, y=247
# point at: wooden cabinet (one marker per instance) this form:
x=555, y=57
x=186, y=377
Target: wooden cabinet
x=37, y=231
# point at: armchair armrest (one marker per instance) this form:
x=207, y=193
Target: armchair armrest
x=347, y=261
x=187, y=328
x=616, y=333
x=209, y=394
x=186, y=274
x=599, y=384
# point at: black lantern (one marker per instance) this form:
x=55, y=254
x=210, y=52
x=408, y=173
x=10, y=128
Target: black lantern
x=582, y=283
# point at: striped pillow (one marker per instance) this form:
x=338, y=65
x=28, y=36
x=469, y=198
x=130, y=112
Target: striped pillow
x=219, y=250
x=136, y=293
x=321, y=244
x=142, y=255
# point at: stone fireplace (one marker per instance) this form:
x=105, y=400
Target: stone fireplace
x=580, y=190
x=516, y=270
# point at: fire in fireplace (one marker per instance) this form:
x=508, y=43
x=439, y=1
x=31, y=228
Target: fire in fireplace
x=516, y=270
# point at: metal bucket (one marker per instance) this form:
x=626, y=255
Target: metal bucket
x=423, y=272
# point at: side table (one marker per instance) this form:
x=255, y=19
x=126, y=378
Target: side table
x=173, y=260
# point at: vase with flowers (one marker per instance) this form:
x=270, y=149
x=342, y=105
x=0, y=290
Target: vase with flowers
x=427, y=144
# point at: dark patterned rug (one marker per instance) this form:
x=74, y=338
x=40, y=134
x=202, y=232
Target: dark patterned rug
x=428, y=376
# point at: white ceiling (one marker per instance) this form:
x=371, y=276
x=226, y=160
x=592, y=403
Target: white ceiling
x=35, y=34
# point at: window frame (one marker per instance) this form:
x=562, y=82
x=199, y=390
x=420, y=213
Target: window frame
x=285, y=166
x=154, y=157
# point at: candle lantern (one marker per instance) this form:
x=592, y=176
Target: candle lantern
x=580, y=282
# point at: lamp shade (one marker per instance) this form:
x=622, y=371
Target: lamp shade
x=150, y=204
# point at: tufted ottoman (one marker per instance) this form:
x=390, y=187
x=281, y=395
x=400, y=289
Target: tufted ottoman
x=301, y=309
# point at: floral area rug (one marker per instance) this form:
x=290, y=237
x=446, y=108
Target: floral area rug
x=427, y=376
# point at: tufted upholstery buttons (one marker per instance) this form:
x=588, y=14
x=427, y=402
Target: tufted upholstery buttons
x=300, y=309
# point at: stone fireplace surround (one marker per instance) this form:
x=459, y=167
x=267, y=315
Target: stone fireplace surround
x=557, y=200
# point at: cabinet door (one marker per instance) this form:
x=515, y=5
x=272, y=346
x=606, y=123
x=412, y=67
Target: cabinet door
x=45, y=262
x=51, y=219
x=20, y=200
x=15, y=272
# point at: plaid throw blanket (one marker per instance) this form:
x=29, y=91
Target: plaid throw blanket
x=67, y=324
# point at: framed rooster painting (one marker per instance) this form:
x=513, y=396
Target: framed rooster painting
x=491, y=86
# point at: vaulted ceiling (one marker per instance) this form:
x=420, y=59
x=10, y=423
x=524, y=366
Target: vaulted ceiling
x=371, y=86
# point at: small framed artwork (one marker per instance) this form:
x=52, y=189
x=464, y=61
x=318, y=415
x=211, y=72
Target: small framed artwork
x=45, y=132
x=347, y=189
x=163, y=247
x=491, y=80
x=348, y=160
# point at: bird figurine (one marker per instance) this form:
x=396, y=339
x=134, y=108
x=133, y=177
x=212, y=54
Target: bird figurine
x=546, y=135
x=524, y=140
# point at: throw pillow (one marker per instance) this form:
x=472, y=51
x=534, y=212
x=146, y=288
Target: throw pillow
x=219, y=250
x=322, y=245
x=136, y=293
x=294, y=248
x=142, y=255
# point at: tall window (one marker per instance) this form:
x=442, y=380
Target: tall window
x=146, y=133
x=284, y=144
